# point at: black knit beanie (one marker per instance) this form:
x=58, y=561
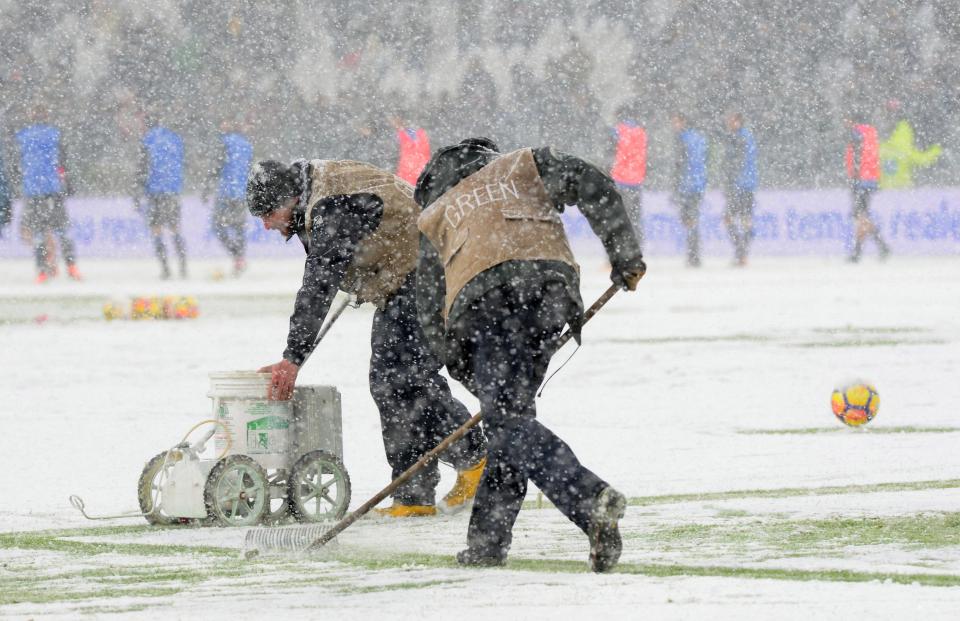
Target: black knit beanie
x=269, y=183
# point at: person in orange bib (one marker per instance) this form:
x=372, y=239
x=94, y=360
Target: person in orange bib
x=630, y=169
x=863, y=172
x=414, y=151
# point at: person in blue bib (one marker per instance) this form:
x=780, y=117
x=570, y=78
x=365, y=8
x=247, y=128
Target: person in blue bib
x=740, y=184
x=230, y=207
x=690, y=182
x=44, y=188
x=160, y=182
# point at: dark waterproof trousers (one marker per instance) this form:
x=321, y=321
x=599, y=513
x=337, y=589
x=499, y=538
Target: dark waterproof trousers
x=633, y=200
x=504, y=341
x=43, y=216
x=417, y=409
x=738, y=216
x=690, y=218
x=863, y=223
x=229, y=224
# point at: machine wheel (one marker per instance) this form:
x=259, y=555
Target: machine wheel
x=148, y=492
x=279, y=493
x=319, y=488
x=237, y=492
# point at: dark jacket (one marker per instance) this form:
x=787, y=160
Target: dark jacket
x=339, y=223
x=569, y=181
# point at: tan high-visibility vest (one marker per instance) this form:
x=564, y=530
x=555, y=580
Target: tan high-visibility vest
x=383, y=259
x=500, y=213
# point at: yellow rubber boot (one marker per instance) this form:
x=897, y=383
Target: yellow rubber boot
x=396, y=510
x=464, y=489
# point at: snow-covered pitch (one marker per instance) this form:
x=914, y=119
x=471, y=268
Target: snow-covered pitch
x=704, y=397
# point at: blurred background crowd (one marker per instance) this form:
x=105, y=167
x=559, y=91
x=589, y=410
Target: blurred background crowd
x=335, y=79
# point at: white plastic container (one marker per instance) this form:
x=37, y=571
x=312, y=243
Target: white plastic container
x=181, y=493
x=257, y=427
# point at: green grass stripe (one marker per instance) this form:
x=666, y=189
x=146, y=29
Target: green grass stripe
x=96, y=531
x=796, y=575
x=812, y=537
x=869, y=342
x=55, y=541
x=665, y=570
x=151, y=582
x=872, y=330
x=670, y=340
x=866, y=338
x=783, y=492
x=27, y=585
x=104, y=610
x=841, y=429
x=397, y=586
x=788, y=492
x=53, y=596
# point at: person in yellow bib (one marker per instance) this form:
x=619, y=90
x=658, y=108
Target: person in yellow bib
x=358, y=225
x=899, y=157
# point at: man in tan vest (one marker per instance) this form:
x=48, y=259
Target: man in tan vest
x=358, y=226
x=497, y=282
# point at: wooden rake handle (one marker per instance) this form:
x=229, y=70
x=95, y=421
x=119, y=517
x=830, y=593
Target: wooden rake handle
x=363, y=509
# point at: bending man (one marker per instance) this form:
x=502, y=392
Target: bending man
x=497, y=282
x=358, y=226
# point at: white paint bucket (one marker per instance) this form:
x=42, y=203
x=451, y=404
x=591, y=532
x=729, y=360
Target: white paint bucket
x=256, y=427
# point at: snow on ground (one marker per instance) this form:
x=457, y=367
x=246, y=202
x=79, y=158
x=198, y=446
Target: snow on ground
x=702, y=382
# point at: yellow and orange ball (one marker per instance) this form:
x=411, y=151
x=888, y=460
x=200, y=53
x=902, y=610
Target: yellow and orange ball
x=856, y=403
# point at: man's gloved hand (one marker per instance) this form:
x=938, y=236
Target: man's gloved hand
x=628, y=274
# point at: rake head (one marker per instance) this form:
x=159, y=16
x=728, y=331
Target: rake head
x=286, y=540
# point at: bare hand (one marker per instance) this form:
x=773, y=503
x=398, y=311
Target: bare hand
x=283, y=377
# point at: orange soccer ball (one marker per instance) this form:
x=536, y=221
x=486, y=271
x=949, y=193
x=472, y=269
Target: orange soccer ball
x=856, y=403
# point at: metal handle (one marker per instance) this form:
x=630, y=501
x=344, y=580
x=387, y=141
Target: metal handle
x=331, y=319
